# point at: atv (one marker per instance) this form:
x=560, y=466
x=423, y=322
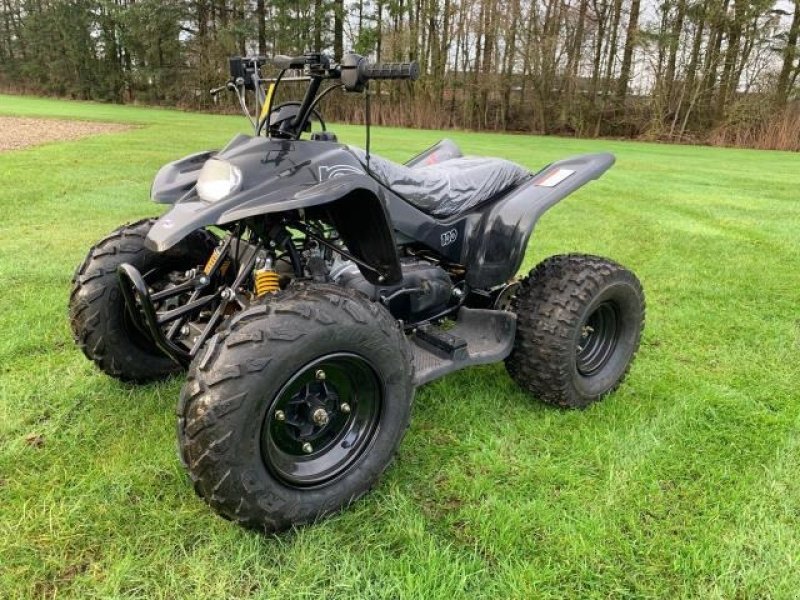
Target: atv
x=309, y=287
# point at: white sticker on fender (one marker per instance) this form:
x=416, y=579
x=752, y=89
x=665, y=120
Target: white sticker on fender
x=553, y=178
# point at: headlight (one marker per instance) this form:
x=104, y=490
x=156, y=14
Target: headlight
x=218, y=179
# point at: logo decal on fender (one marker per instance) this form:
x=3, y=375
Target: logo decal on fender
x=553, y=178
x=448, y=237
x=326, y=173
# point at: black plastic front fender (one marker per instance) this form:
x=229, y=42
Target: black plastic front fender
x=191, y=213
x=280, y=176
x=355, y=203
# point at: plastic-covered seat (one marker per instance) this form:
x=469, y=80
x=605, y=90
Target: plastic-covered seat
x=450, y=186
x=441, y=151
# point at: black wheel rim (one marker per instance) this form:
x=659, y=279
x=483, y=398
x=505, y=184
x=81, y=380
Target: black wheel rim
x=322, y=420
x=598, y=339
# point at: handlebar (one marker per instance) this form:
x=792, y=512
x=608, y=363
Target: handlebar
x=314, y=61
x=408, y=70
x=354, y=73
x=354, y=70
x=289, y=62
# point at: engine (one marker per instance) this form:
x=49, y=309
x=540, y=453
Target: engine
x=425, y=291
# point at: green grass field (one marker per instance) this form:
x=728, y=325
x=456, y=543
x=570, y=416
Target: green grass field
x=684, y=483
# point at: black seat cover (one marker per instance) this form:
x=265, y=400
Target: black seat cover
x=448, y=187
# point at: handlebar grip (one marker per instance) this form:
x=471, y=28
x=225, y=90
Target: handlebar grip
x=408, y=70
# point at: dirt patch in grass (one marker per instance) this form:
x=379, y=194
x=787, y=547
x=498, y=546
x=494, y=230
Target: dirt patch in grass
x=20, y=132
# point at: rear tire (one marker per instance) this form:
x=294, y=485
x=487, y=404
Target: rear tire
x=579, y=324
x=97, y=312
x=252, y=397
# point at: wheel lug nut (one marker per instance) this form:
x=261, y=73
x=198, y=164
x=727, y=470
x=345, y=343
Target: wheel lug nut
x=320, y=375
x=345, y=408
x=307, y=448
x=320, y=417
x=280, y=415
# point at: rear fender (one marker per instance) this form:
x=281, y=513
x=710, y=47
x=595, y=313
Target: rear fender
x=499, y=240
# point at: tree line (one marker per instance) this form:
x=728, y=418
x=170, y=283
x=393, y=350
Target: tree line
x=719, y=71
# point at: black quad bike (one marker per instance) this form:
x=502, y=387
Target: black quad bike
x=309, y=287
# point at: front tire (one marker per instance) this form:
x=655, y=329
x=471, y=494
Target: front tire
x=100, y=324
x=296, y=408
x=579, y=324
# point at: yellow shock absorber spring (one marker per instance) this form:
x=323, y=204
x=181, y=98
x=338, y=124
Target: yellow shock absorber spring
x=212, y=260
x=266, y=279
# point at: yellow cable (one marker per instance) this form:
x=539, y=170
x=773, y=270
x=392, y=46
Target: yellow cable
x=267, y=101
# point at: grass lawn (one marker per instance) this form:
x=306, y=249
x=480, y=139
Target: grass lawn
x=684, y=483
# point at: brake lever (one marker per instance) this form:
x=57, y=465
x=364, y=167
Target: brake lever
x=228, y=86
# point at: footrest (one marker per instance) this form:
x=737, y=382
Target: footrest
x=452, y=346
x=480, y=336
